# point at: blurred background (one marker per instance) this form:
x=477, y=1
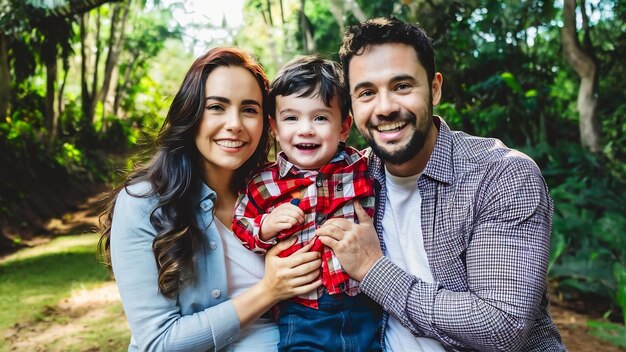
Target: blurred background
x=85, y=85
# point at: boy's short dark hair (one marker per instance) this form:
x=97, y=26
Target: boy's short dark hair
x=387, y=31
x=311, y=76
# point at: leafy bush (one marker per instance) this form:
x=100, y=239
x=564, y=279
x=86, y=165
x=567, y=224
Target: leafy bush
x=588, y=249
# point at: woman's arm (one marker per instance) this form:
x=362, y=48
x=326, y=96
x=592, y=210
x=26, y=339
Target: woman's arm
x=284, y=278
x=156, y=321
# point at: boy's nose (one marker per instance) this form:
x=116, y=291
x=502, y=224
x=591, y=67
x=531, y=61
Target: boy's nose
x=305, y=128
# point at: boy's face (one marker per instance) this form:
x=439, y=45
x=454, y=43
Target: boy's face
x=309, y=131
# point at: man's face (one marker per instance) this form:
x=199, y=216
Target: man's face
x=392, y=101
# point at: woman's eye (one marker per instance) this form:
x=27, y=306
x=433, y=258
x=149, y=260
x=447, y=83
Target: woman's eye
x=215, y=107
x=250, y=111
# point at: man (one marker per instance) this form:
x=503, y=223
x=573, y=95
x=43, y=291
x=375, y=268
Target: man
x=464, y=222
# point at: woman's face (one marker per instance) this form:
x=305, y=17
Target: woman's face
x=232, y=122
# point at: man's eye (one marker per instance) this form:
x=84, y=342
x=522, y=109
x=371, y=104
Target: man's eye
x=365, y=95
x=404, y=87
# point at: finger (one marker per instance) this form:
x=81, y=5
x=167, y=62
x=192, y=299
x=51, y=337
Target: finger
x=307, y=267
x=329, y=241
x=281, y=246
x=307, y=288
x=300, y=258
x=339, y=223
x=307, y=246
x=330, y=230
x=361, y=214
x=305, y=279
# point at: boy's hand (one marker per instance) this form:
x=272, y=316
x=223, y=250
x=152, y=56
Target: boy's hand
x=283, y=217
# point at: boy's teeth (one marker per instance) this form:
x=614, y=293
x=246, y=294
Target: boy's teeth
x=230, y=144
x=390, y=126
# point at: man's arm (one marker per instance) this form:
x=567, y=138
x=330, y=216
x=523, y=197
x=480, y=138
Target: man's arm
x=506, y=270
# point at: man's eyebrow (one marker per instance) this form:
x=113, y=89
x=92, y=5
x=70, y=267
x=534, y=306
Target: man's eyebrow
x=402, y=77
x=394, y=79
x=361, y=85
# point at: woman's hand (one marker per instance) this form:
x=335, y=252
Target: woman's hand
x=284, y=278
x=291, y=276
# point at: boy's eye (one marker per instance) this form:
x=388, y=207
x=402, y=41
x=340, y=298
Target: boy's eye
x=320, y=118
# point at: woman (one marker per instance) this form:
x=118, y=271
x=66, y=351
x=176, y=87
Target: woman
x=186, y=283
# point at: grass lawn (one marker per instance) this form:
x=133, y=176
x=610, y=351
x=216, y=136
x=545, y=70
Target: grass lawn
x=49, y=299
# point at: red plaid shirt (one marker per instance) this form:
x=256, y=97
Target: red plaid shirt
x=325, y=193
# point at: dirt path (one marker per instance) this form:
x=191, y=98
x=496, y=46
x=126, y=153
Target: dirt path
x=64, y=324
x=62, y=327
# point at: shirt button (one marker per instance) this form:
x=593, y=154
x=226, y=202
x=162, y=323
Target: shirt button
x=320, y=180
x=319, y=219
x=216, y=293
x=213, y=244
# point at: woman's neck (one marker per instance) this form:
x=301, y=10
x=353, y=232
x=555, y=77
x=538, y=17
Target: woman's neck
x=221, y=184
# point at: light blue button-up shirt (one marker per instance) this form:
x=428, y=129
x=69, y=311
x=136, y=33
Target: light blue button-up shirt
x=199, y=318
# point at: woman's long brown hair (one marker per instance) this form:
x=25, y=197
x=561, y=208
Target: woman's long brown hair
x=174, y=171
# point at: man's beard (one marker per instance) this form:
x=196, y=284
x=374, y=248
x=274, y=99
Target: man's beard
x=411, y=149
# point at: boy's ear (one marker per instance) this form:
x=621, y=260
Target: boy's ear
x=273, y=127
x=345, y=128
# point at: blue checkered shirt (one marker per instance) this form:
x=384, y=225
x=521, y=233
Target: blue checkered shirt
x=486, y=222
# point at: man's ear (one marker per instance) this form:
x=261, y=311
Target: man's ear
x=436, y=88
x=345, y=128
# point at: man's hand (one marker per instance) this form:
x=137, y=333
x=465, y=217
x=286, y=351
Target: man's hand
x=356, y=245
x=283, y=217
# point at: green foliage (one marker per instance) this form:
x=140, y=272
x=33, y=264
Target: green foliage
x=588, y=249
x=613, y=333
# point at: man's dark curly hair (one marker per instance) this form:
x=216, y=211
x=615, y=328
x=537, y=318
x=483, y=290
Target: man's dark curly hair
x=386, y=31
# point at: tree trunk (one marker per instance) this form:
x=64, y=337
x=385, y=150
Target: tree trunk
x=116, y=39
x=51, y=119
x=586, y=68
x=5, y=80
x=84, y=87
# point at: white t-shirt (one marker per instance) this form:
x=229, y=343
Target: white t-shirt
x=243, y=270
x=402, y=233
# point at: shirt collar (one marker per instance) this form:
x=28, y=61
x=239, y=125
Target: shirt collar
x=285, y=166
x=440, y=166
x=203, y=193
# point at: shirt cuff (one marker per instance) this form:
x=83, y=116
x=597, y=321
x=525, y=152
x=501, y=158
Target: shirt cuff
x=261, y=243
x=225, y=324
x=379, y=281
